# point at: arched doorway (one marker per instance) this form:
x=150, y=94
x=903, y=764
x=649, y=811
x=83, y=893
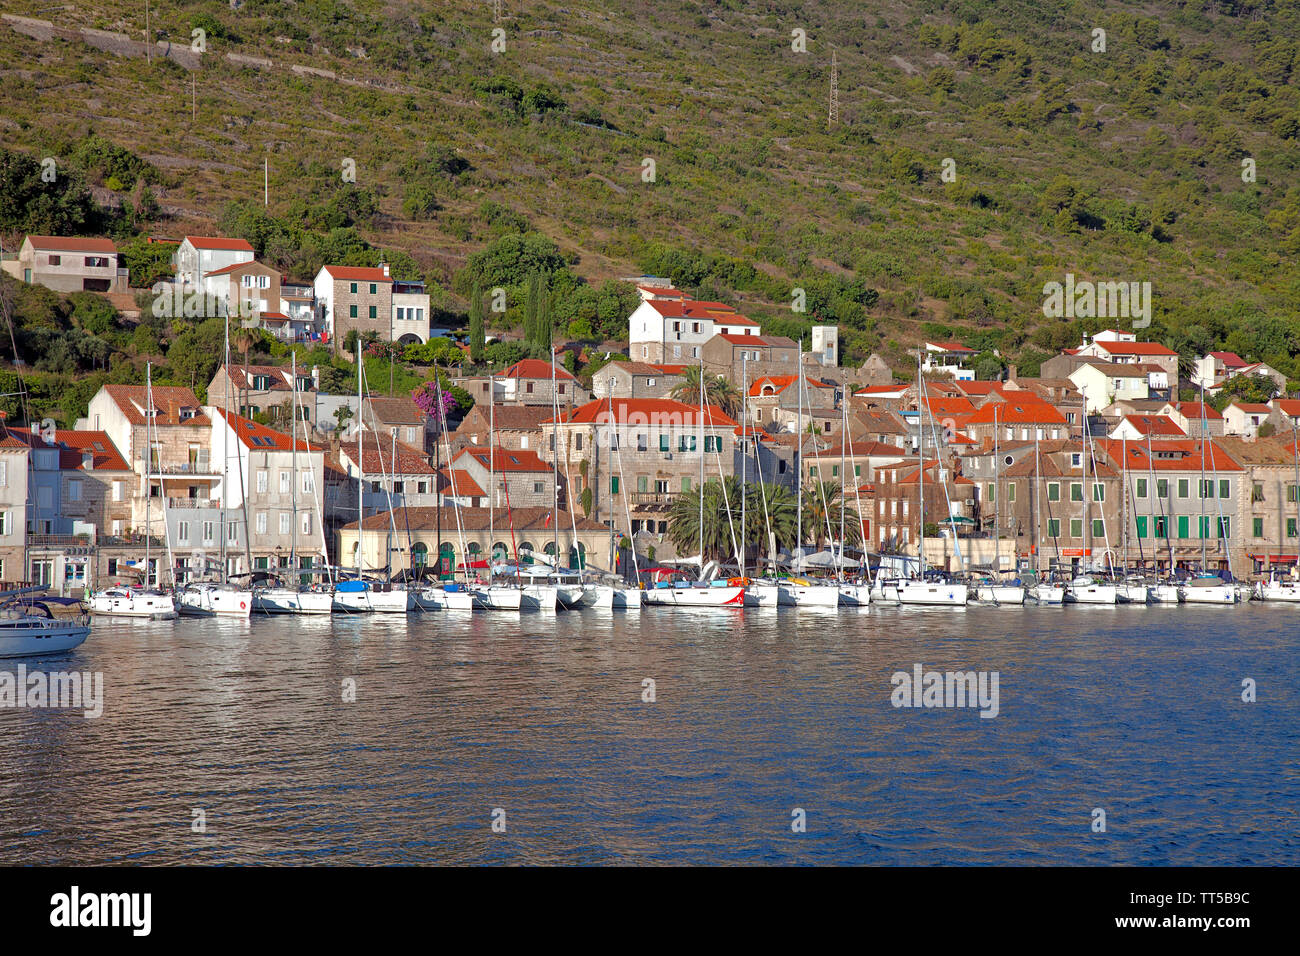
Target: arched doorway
x=419, y=555
x=500, y=553
x=525, y=553
x=447, y=566
x=578, y=556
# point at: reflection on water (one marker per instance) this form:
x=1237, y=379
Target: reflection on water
x=1136, y=711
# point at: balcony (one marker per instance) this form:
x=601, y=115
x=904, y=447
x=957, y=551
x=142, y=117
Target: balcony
x=193, y=503
x=651, y=497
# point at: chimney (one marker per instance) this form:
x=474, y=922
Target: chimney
x=384, y=266
x=1011, y=373
x=315, y=377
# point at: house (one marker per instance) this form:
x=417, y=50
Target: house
x=272, y=502
x=1195, y=418
x=522, y=479
x=1268, y=504
x=1214, y=368
x=1024, y=418
x=1285, y=415
x=461, y=537
x=738, y=357
x=675, y=329
x=897, y=496
x=353, y=299
x=875, y=394
x=244, y=289
x=410, y=313
x=1103, y=383
x=824, y=345
x=948, y=358
x=14, y=454
x=528, y=382
x=68, y=264
x=1142, y=427
x=777, y=399
x=256, y=389
x=1127, y=352
x=398, y=417
x=197, y=256
x=516, y=427
x=847, y=463
x=875, y=371
x=395, y=474
x=1242, y=419
x=95, y=512
x=633, y=380
x=636, y=455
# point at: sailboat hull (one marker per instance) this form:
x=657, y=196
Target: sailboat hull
x=1048, y=593
x=726, y=597
x=854, y=595
x=1091, y=594
x=923, y=593
x=289, y=601
x=373, y=602
x=815, y=595
x=214, y=602
x=1215, y=594
x=1000, y=594
x=148, y=605
x=498, y=599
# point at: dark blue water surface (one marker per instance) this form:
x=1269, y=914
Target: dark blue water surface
x=1135, y=711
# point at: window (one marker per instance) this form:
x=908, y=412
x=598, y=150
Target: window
x=261, y=482
x=4, y=476
x=1203, y=526
x=1053, y=491
x=1162, y=487
x=1098, y=491
x=399, y=487
x=1256, y=492
x=713, y=443
x=686, y=484
x=208, y=531
x=1291, y=492
x=1076, y=459
x=373, y=312
x=1098, y=528
x=232, y=533
x=642, y=442
x=992, y=492
x=1205, y=488
x=1053, y=527
x=1182, y=487
x=613, y=485
x=1076, y=491
x=285, y=479
x=74, y=489
x=1257, y=527
x=686, y=443
x=663, y=442
x=285, y=519
x=1225, y=488
x=857, y=471
x=812, y=471
x=1141, y=487
x=352, y=312
x=352, y=287
x=373, y=290
x=1225, y=528
x=1076, y=527
x=538, y=487
x=1162, y=526
x=1290, y=527
x=306, y=522
x=1141, y=526
x=261, y=522
x=308, y=481
x=56, y=260
x=1011, y=492
x=1184, y=524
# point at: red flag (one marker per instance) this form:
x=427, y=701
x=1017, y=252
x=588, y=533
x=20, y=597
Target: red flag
x=547, y=522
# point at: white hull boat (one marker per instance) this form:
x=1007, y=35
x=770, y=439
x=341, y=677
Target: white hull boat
x=815, y=595
x=1135, y=593
x=1088, y=591
x=693, y=595
x=1194, y=592
x=855, y=595
x=539, y=597
x=498, y=598
x=133, y=602
x=1000, y=594
x=1284, y=590
x=770, y=594
x=627, y=599
x=214, y=600
x=27, y=632
x=362, y=597
x=1048, y=593
x=1165, y=594
x=290, y=601
x=442, y=599
x=932, y=594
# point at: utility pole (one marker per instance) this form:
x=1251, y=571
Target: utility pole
x=148, y=46
x=834, y=116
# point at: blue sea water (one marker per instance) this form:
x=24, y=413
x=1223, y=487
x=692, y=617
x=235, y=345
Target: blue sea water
x=1136, y=711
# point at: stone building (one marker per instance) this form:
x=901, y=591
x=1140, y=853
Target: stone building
x=68, y=264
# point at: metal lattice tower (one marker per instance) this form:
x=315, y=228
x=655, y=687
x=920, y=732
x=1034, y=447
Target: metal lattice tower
x=834, y=116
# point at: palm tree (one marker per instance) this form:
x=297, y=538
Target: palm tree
x=780, y=513
x=242, y=339
x=717, y=391
x=719, y=519
x=823, y=502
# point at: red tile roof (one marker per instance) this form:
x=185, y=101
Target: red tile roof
x=259, y=437
x=950, y=346
x=1134, y=348
x=1189, y=455
x=1155, y=426
x=535, y=368
x=505, y=459
x=662, y=411
x=357, y=274
x=105, y=454
x=227, y=270
x=382, y=461
x=779, y=383
x=465, y=485
x=1197, y=410
x=219, y=242
x=73, y=244
x=1016, y=412
x=1254, y=408
x=1229, y=359
x=169, y=400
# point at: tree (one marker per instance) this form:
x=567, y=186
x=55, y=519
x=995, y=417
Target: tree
x=823, y=504
x=719, y=519
x=477, y=333
x=342, y=415
x=718, y=391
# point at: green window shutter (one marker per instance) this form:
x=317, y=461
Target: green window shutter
x=1011, y=492
x=1257, y=527
x=663, y=443
x=1141, y=487
x=812, y=471
x=1203, y=526
x=613, y=485
x=1162, y=526
x=1098, y=491
x=1053, y=491
x=1076, y=491
x=642, y=483
x=857, y=471
x=1183, y=525
x=1162, y=488
x=373, y=288
x=1098, y=528
x=1225, y=488
x=835, y=471
x=1076, y=527
x=373, y=314
x=992, y=492
x=1142, y=526
x=686, y=484
x=1290, y=527
x=353, y=288
x=352, y=311
x=1225, y=528
x=1182, y=487
x=1053, y=527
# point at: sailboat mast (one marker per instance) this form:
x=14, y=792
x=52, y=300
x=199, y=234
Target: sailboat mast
x=361, y=464
x=492, y=474
x=997, y=493
x=920, y=460
x=1201, y=496
x=555, y=463
x=148, y=479
x=844, y=475
x=293, y=468
x=798, y=444
x=700, y=430
x=744, y=456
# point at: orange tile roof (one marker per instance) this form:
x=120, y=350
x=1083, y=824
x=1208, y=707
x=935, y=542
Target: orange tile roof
x=219, y=242
x=167, y=399
x=665, y=411
x=259, y=437
x=73, y=244
x=1135, y=348
x=358, y=273
x=505, y=459
x=1155, y=425
x=1197, y=410
x=98, y=444
x=382, y=461
x=465, y=485
x=535, y=368
x=1016, y=412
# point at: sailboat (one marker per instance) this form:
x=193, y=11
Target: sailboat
x=705, y=591
x=1087, y=588
x=992, y=590
x=366, y=594
x=927, y=590
x=1206, y=587
x=143, y=601
x=805, y=592
x=219, y=598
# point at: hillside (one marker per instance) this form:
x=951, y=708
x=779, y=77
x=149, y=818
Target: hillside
x=1121, y=165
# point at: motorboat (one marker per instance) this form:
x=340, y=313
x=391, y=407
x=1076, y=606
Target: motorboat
x=123, y=601
x=1278, y=587
x=30, y=629
x=213, y=599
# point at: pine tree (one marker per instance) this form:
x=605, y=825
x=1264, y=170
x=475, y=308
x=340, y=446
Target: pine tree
x=477, y=334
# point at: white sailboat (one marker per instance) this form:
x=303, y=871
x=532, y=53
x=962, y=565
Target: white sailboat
x=1086, y=588
x=1205, y=587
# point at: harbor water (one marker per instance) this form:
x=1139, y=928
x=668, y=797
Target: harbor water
x=771, y=738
